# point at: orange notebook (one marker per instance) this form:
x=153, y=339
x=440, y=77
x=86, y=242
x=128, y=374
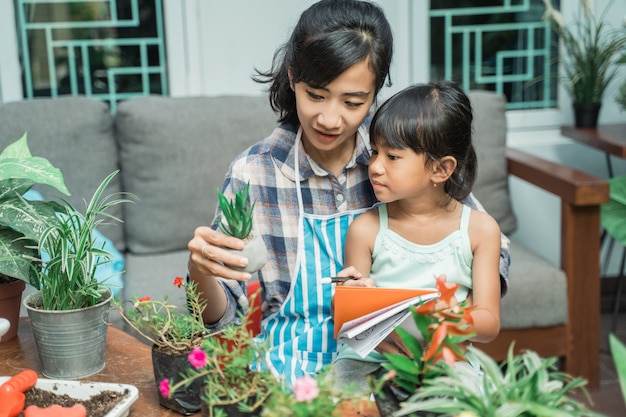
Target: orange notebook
x=353, y=302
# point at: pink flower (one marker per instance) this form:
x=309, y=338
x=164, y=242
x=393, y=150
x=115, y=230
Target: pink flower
x=305, y=389
x=197, y=358
x=164, y=388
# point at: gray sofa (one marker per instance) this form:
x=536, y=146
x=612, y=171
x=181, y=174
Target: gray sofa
x=174, y=152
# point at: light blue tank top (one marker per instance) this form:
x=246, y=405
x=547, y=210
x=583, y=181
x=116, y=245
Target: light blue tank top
x=400, y=263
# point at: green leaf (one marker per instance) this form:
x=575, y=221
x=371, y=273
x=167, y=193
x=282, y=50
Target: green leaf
x=16, y=162
x=618, y=351
x=15, y=256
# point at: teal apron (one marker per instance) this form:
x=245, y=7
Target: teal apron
x=300, y=334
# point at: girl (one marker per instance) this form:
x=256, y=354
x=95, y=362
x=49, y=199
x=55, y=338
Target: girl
x=423, y=166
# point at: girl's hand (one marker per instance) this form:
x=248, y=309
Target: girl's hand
x=358, y=281
x=208, y=256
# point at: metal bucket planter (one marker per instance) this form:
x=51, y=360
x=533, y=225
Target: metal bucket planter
x=70, y=343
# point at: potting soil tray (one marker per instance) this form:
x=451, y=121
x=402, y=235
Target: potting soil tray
x=85, y=390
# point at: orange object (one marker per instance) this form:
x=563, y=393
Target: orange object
x=353, y=302
x=11, y=403
x=21, y=382
x=77, y=410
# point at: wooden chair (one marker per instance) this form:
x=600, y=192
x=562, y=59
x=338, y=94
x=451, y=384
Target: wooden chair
x=576, y=338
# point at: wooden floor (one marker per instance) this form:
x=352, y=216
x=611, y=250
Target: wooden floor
x=608, y=398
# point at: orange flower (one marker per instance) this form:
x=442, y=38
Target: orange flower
x=144, y=299
x=438, y=337
x=446, y=293
x=178, y=281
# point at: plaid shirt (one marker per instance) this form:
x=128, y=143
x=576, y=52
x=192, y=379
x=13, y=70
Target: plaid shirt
x=268, y=166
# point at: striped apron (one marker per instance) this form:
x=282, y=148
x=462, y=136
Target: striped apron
x=300, y=334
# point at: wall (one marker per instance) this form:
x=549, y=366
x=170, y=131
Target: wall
x=214, y=46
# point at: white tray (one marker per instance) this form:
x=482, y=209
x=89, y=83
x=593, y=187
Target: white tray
x=84, y=390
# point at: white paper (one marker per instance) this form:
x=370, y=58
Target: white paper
x=364, y=333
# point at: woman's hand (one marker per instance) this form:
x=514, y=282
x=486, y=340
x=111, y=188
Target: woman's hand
x=208, y=257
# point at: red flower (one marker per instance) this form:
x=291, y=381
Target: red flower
x=144, y=299
x=178, y=281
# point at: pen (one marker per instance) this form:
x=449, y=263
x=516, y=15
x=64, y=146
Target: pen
x=335, y=280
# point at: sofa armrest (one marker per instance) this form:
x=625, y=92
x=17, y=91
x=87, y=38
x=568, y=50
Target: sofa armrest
x=581, y=195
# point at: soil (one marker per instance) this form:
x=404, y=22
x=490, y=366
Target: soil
x=97, y=405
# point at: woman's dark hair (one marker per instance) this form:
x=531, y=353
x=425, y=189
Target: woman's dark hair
x=433, y=119
x=330, y=37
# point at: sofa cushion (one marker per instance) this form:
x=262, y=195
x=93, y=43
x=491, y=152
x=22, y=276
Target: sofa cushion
x=537, y=294
x=492, y=187
x=174, y=152
x=76, y=135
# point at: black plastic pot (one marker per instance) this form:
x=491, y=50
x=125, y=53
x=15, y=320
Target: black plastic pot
x=185, y=401
x=586, y=114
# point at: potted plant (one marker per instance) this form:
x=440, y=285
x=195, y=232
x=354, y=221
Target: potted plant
x=173, y=334
x=433, y=384
x=237, y=222
x=223, y=365
x=317, y=396
x=68, y=313
x=441, y=337
x=22, y=223
x=522, y=385
x=590, y=50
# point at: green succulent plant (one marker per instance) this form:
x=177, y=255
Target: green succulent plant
x=237, y=213
x=524, y=385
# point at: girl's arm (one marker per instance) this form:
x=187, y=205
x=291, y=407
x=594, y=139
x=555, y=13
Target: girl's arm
x=358, y=248
x=484, y=236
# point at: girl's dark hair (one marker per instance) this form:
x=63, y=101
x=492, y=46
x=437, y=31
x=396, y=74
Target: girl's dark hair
x=330, y=37
x=434, y=119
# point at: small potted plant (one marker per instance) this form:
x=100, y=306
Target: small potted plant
x=223, y=365
x=430, y=383
x=70, y=295
x=590, y=50
x=237, y=222
x=173, y=334
x=22, y=223
x=442, y=334
x=310, y=396
x=522, y=385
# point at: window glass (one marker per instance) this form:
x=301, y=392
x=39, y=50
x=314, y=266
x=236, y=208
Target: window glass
x=110, y=50
x=496, y=45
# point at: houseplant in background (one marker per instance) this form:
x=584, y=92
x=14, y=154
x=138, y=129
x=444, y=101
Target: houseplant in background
x=589, y=54
x=70, y=296
x=237, y=222
x=173, y=334
x=22, y=223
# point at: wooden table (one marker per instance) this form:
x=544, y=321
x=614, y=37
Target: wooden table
x=127, y=361
x=610, y=139
x=607, y=138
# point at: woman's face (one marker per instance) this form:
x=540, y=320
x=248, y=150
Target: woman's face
x=331, y=115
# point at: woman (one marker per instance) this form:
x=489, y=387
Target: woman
x=309, y=180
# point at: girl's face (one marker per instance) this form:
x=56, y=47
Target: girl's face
x=330, y=116
x=398, y=174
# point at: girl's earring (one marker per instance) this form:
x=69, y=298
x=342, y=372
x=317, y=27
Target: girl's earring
x=434, y=185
